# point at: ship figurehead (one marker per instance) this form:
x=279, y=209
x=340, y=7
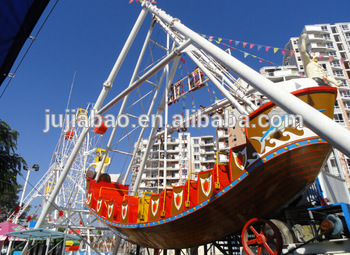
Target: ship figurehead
x=206, y=184
x=154, y=206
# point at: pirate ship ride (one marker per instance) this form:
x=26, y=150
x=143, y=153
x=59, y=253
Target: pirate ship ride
x=272, y=166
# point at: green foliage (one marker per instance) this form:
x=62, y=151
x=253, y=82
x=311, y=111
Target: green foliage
x=10, y=165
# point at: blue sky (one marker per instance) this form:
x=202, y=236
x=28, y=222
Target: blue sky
x=86, y=36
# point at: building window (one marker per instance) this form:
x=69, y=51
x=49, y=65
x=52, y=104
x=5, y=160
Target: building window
x=340, y=46
x=196, y=141
x=196, y=166
x=338, y=73
x=324, y=28
x=327, y=37
x=336, y=37
x=329, y=45
x=333, y=54
x=334, y=30
x=299, y=58
x=345, y=93
x=336, y=63
x=338, y=118
x=296, y=50
x=196, y=149
x=196, y=157
x=336, y=105
x=345, y=27
x=347, y=104
x=347, y=35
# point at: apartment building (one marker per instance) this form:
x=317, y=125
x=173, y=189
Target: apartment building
x=331, y=44
x=172, y=161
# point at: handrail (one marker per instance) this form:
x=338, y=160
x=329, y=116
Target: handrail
x=162, y=214
x=217, y=183
x=187, y=202
x=99, y=194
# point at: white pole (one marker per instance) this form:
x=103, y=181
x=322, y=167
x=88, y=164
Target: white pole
x=154, y=129
x=106, y=87
x=333, y=133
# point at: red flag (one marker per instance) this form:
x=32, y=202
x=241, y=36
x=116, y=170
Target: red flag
x=230, y=42
x=244, y=44
x=251, y=45
x=284, y=51
x=331, y=59
x=182, y=60
x=291, y=52
x=131, y=1
x=261, y=60
x=267, y=48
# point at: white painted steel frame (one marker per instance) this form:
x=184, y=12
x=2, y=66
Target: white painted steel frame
x=333, y=133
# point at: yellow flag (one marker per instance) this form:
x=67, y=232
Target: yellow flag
x=275, y=50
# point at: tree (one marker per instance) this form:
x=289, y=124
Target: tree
x=10, y=165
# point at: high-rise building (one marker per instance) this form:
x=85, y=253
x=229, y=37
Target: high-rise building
x=184, y=155
x=331, y=45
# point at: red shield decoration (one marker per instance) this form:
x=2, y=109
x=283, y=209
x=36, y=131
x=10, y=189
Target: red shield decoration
x=154, y=206
x=206, y=185
x=99, y=205
x=240, y=158
x=124, y=211
x=110, y=209
x=88, y=199
x=178, y=199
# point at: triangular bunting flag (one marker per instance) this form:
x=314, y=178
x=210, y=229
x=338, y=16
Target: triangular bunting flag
x=211, y=38
x=219, y=40
x=131, y=1
x=252, y=45
x=236, y=42
x=331, y=59
x=244, y=44
x=267, y=48
x=291, y=52
x=253, y=56
x=284, y=51
x=261, y=60
x=320, y=57
x=230, y=42
x=275, y=50
x=342, y=60
x=245, y=54
x=259, y=47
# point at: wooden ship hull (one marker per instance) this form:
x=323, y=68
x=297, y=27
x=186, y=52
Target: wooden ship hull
x=264, y=175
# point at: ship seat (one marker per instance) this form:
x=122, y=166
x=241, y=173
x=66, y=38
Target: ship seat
x=132, y=210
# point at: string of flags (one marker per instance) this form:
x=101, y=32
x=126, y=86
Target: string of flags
x=233, y=44
x=146, y=1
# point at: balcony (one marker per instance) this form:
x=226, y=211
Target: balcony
x=318, y=38
x=315, y=30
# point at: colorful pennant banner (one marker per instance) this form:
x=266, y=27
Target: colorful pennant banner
x=251, y=46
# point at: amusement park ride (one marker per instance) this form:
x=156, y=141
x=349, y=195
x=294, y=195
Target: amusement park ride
x=272, y=167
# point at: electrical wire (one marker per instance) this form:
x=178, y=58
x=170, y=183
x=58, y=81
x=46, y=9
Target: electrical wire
x=26, y=52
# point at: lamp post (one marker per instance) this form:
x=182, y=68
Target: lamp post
x=35, y=167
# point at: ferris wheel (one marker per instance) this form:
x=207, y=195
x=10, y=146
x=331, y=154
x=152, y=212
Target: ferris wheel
x=68, y=207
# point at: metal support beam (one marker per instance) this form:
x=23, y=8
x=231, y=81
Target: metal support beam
x=332, y=132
